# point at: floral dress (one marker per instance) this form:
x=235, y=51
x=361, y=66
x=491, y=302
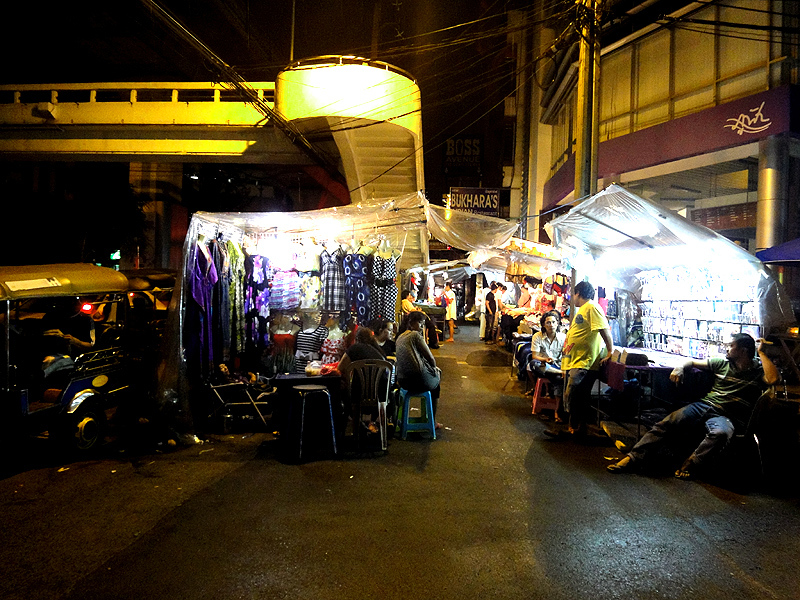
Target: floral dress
x=256, y=300
x=356, y=269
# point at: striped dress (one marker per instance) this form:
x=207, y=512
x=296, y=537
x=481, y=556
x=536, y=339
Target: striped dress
x=333, y=290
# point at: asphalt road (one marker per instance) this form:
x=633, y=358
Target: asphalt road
x=488, y=510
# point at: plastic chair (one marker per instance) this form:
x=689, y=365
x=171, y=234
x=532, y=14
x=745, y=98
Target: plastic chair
x=369, y=396
x=746, y=443
x=543, y=397
x=425, y=422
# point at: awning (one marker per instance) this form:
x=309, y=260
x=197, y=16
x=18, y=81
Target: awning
x=468, y=231
x=787, y=253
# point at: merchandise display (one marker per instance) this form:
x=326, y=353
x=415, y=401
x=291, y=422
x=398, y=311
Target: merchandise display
x=694, y=312
x=283, y=279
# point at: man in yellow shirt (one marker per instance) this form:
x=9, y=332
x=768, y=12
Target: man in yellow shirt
x=582, y=356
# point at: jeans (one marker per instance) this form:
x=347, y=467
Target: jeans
x=689, y=420
x=578, y=396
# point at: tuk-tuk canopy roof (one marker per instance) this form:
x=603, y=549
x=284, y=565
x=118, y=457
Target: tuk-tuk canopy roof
x=67, y=279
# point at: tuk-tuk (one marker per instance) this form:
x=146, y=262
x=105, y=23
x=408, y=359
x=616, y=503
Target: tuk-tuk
x=64, y=367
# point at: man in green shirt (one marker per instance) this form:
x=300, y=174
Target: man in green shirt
x=738, y=383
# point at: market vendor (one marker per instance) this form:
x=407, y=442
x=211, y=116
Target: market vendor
x=738, y=383
x=512, y=317
x=582, y=357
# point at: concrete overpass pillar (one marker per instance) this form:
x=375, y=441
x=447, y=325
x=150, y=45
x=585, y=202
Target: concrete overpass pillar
x=167, y=222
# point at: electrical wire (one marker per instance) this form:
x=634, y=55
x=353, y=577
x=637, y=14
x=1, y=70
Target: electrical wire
x=427, y=148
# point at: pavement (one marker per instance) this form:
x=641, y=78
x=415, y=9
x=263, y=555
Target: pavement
x=490, y=509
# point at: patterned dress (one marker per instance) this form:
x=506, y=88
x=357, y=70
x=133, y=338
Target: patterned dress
x=383, y=290
x=309, y=291
x=237, y=296
x=333, y=291
x=356, y=269
x=332, y=350
x=285, y=294
x=256, y=300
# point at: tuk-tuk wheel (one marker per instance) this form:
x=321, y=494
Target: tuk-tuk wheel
x=88, y=429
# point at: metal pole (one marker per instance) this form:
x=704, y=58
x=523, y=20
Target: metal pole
x=773, y=192
x=291, y=47
x=587, y=128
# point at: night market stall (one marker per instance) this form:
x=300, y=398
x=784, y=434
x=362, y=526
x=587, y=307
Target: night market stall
x=678, y=289
x=271, y=296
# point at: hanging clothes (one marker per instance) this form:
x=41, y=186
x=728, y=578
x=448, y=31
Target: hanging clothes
x=308, y=344
x=285, y=294
x=236, y=292
x=308, y=268
x=203, y=279
x=383, y=289
x=221, y=301
x=310, y=287
x=256, y=301
x=334, y=298
x=356, y=271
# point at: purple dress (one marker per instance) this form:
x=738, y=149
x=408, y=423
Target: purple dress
x=204, y=278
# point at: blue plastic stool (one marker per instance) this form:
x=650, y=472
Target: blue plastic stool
x=425, y=422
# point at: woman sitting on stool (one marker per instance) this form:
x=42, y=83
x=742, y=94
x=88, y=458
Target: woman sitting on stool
x=416, y=367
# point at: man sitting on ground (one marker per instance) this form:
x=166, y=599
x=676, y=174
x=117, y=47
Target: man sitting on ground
x=738, y=383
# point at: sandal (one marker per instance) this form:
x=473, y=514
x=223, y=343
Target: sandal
x=625, y=465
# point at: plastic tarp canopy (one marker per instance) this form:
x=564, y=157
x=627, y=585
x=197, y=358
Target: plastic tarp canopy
x=468, y=231
x=399, y=220
x=618, y=234
x=786, y=253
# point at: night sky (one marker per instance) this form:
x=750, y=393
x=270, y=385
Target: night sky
x=463, y=72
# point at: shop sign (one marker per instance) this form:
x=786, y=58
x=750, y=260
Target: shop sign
x=753, y=121
x=482, y=201
x=462, y=155
x=733, y=216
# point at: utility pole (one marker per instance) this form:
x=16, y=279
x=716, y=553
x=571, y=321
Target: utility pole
x=588, y=123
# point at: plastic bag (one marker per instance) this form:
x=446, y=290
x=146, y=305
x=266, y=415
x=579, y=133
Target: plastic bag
x=314, y=367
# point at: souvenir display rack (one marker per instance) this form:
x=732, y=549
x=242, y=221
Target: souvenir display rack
x=694, y=312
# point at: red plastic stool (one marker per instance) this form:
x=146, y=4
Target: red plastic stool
x=542, y=396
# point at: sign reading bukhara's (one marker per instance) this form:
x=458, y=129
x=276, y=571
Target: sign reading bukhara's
x=483, y=201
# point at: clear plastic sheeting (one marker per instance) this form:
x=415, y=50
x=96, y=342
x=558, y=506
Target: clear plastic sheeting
x=468, y=231
x=616, y=235
x=400, y=220
x=629, y=232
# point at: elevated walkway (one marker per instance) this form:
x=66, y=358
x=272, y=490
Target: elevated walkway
x=363, y=115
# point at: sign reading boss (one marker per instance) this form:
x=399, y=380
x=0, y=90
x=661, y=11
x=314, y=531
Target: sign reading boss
x=463, y=153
